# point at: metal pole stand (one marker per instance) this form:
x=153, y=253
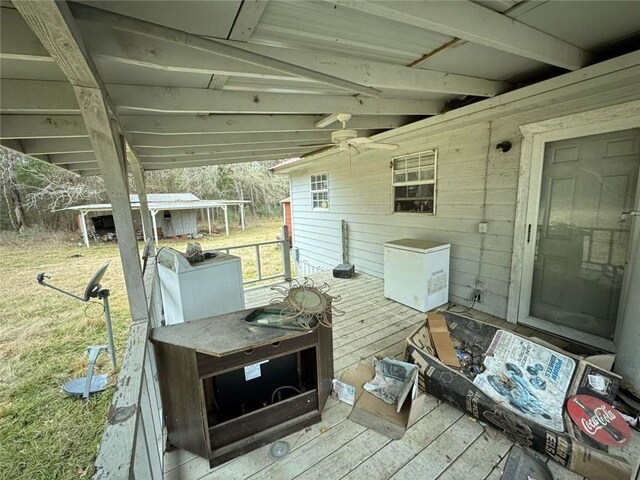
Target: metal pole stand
x=103, y=294
x=90, y=384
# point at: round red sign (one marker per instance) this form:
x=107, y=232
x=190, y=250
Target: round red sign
x=599, y=420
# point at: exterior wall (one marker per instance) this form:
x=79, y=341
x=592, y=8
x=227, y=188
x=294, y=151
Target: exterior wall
x=183, y=222
x=475, y=183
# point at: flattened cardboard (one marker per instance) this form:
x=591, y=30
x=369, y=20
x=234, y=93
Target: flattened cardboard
x=571, y=449
x=441, y=340
x=372, y=412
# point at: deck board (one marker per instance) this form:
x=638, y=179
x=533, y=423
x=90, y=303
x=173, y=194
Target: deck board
x=444, y=444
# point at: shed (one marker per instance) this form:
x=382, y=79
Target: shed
x=172, y=214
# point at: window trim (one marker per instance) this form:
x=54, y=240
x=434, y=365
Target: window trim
x=312, y=191
x=433, y=182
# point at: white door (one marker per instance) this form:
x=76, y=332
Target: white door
x=580, y=237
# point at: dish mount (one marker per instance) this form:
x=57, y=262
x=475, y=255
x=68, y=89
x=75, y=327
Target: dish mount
x=91, y=383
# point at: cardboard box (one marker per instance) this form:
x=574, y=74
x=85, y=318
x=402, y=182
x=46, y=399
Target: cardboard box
x=571, y=448
x=441, y=340
x=373, y=412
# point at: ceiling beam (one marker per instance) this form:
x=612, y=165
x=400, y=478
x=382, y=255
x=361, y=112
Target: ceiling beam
x=129, y=24
x=76, y=167
x=204, y=158
x=168, y=142
x=42, y=146
x=247, y=19
x=81, y=157
x=477, y=24
x=132, y=98
x=41, y=126
x=257, y=148
x=129, y=48
x=383, y=75
x=155, y=165
x=218, y=124
x=39, y=96
x=36, y=96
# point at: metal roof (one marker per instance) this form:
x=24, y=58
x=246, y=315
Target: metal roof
x=165, y=197
x=181, y=106
x=162, y=205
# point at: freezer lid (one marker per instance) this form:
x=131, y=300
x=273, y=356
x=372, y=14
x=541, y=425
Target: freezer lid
x=416, y=245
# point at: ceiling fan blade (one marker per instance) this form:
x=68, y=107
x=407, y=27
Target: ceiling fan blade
x=316, y=151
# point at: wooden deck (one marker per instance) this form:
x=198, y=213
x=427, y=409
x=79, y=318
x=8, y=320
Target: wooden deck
x=444, y=444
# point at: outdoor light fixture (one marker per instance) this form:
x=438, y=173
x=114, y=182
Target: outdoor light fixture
x=504, y=146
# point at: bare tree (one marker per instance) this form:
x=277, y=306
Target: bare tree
x=9, y=162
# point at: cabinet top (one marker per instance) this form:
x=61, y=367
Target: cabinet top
x=223, y=334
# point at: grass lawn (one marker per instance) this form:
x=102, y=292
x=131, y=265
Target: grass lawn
x=45, y=434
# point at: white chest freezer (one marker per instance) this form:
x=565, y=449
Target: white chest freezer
x=199, y=290
x=416, y=273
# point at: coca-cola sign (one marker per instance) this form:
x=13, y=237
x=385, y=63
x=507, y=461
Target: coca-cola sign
x=599, y=420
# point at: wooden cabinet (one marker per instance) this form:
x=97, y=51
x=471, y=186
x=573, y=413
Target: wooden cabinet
x=229, y=387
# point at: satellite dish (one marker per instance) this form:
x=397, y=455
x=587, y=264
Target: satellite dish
x=90, y=383
x=94, y=284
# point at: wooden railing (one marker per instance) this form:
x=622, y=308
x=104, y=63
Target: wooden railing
x=283, y=242
x=133, y=442
x=132, y=445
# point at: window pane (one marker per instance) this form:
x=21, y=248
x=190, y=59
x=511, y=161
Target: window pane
x=412, y=162
x=399, y=164
x=427, y=161
x=412, y=176
x=427, y=173
x=400, y=177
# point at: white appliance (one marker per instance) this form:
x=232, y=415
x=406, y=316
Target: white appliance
x=199, y=290
x=416, y=273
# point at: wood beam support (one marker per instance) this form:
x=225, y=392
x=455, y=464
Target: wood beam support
x=135, y=98
x=257, y=148
x=41, y=126
x=218, y=124
x=36, y=96
x=152, y=30
x=247, y=19
x=477, y=24
x=141, y=189
x=43, y=146
x=149, y=142
x=54, y=25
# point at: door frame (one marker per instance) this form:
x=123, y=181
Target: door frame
x=536, y=135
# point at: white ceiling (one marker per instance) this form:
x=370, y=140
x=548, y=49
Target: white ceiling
x=209, y=99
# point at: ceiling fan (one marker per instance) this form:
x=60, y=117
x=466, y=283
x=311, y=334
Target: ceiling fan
x=344, y=139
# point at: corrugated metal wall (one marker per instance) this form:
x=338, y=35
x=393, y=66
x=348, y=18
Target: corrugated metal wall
x=180, y=222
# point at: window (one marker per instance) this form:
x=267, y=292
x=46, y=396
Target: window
x=414, y=182
x=320, y=191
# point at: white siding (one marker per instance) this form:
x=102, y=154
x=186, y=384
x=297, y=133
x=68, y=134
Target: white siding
x=473, y=178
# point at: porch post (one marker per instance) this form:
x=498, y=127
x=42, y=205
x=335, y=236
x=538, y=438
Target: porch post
x=209, y=220
x=141, y=190
x=110, y=156
x=83, y=226
x=226, y=220
x=155, y=226
x=242, y=215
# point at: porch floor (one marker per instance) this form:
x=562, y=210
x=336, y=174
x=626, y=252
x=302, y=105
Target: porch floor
x=444, y=444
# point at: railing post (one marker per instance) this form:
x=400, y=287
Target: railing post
x=286, y=254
